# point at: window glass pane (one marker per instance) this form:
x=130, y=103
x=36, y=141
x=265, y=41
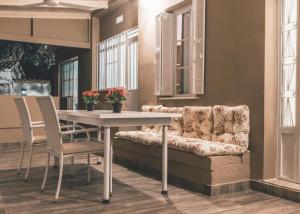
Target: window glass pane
x=69, y=78
x=183, y=26
x=71, y=88
x=289, y=11
x=186, y=25
x=115, y=67
x=183, y=81
x=289, y=39
x=67, y=73
x=71, y=69
x=179, y=27
x=66, y=88
x=132, y=66
x=183, y=53
x=75, y=85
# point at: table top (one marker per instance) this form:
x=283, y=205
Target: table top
x=108, y=114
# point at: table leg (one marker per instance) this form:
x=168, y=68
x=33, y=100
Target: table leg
x=110, y=169
x=106, y=165
x=99, y=139
x=164, y=160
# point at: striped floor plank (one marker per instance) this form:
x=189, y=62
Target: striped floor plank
x=132, y=192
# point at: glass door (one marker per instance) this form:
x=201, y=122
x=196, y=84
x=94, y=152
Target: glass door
x=288, y=155
x=69, y=83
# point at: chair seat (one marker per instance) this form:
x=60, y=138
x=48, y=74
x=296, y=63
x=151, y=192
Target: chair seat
x=40, y=139
x=82, y=146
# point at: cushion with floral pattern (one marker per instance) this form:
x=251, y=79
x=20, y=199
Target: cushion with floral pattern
x=231, y=125
x=198, y=122
x=151, y=128
x=184, y=144
x=176, y=127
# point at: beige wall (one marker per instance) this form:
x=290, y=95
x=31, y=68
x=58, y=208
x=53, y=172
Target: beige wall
x=15, y=26
x=234, y=63
x=108, y=26
x=76, y=30
x=64, y=32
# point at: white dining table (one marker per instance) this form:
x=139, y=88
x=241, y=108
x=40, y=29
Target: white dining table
x=106, y=119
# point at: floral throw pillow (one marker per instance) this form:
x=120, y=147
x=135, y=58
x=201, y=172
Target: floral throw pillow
x=231, y=125
x=198, y=122
x=151, y=128
x=176, y=127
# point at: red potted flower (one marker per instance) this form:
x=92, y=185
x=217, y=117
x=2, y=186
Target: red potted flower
x=90, y=99
x=116, y=96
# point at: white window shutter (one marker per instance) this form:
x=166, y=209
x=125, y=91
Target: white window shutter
x=157, y=55
x=198, y=11
x=164, y=54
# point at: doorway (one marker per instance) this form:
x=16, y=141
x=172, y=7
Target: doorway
x=289, y=88
x=68, y=71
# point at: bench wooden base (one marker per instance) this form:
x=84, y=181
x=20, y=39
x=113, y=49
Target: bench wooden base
x=212, y=176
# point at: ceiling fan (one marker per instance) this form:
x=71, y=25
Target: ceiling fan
x=77, y=4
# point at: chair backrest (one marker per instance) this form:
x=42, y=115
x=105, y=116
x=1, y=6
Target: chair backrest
x=52, y=125
x=25, y=119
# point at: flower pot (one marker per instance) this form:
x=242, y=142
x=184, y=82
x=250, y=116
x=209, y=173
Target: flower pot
x=90, y=107
x=117, y=107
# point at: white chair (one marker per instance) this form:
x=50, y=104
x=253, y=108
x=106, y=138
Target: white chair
x=55, y=144
x=31, y=140
x=27, y=128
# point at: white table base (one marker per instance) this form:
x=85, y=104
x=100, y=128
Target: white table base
x=164, y=160
x=107, y=120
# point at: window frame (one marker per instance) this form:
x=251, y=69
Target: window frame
x=131, y=40
x=130, y=36
x=177, y=12
x=60, y=80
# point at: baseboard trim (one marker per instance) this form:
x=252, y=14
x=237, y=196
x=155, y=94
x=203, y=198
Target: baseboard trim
x=276, y=190
x=210, y=190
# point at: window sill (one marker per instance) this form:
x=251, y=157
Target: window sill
x=179, y=98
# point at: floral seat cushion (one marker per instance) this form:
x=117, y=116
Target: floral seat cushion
x=198, y=122
x=197, y=146
x=231, y=125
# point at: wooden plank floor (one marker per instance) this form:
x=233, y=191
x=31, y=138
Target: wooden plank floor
x=132, y=192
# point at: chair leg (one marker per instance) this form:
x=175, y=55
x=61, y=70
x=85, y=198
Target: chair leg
x=89, y=168
x=72, y=166
x=46, y=173
x=29, y=162
x=61, y=166
x=22, y=158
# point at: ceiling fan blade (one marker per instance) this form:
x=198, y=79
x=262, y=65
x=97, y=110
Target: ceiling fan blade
x=76, y=6
x=34, y=5
x=85, y=4
x=19, y=2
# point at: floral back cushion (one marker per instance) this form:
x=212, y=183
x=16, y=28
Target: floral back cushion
x=231, y=125
x=151, y=128
x=198, y=122
x=176, y=127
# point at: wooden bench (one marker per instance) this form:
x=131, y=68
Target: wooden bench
x=207, y=148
